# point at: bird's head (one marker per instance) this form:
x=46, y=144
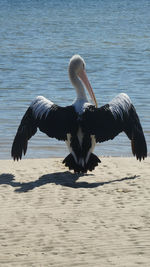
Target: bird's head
x=76, y=64
x=77, y=68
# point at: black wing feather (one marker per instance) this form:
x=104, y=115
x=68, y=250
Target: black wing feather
x=111, y=119
x=51, y=119
x=101, y=123
x=59, y=122
x=134, y=131
x=26, y=130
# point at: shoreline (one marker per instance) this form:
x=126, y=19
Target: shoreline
x=60, y=157
x=53, y=164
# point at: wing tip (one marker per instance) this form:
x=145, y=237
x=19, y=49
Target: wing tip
x=18, y=149
x=16, y=156
x=139, y=147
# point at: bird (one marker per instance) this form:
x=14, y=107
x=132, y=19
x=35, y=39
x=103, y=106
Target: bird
x=82, y=124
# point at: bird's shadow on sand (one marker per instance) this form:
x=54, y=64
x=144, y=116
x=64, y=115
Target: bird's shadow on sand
x=66, y=179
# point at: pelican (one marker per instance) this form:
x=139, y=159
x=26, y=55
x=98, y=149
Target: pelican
x=82, y=124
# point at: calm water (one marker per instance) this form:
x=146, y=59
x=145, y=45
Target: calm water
x=37, y=38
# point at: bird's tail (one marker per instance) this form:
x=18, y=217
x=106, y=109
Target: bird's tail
x=92, y=162
x=70, y=162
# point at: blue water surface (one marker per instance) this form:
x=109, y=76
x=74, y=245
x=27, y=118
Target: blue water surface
x=37, y=39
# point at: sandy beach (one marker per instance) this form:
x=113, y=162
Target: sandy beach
x=51, y=217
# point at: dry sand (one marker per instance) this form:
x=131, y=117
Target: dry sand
x=51, y=217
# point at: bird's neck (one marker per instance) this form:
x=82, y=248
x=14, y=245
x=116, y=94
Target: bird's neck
x=78, y=86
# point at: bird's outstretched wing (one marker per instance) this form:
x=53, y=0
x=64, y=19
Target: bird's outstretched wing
x=111, y=119
x=51, y=119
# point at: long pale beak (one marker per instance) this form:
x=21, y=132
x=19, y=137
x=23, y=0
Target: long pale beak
x=82, y=75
